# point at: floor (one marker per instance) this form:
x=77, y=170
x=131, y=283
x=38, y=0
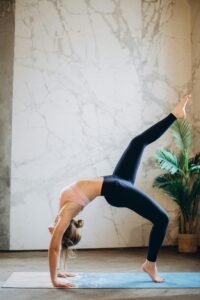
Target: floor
x=101, y=260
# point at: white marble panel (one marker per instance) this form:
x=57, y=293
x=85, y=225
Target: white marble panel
x=195, y=25
x=195, y=40
x=88, y=76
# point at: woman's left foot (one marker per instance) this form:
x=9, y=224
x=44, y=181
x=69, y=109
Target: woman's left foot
x=151, y=269
x=179, y=110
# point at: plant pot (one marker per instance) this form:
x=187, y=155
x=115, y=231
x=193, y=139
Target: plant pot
x=188, y=242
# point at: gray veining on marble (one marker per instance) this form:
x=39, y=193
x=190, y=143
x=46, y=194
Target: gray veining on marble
x=88, y=76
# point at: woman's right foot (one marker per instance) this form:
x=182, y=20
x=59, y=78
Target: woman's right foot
x=179, y=110
x=150, y=268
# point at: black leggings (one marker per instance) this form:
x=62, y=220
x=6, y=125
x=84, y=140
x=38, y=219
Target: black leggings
x=119, y=191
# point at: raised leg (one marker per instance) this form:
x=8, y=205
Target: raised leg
x=128, y=164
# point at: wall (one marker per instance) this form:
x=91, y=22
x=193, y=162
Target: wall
x=6, y=75
x=195, y=42
x=88, y=76
x=195, y=39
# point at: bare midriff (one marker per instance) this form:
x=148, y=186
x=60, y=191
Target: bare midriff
x=81, y=192
x=84, y=190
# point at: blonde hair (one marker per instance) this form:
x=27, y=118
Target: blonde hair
x=71, y=237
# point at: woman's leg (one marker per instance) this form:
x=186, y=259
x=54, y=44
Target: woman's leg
x=128, y=164
x=126, y=195
x=121, y=193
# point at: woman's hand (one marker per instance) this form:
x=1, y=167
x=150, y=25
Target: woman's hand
x=64, y=275
x=60, y=284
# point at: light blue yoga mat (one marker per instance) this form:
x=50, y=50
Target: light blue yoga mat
x=104, y=280
x=137, y=280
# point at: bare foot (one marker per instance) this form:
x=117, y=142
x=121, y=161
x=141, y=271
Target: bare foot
x=179, y=110
x=150, y=268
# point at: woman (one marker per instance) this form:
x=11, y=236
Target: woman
x=118, y=189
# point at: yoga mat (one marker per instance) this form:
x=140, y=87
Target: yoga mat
x=88, y=280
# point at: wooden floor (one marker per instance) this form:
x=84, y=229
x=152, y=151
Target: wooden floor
x=101, y=260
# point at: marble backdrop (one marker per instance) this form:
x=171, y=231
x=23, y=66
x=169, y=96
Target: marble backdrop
x=88, y=76
x=195, y=25
x=195, y=40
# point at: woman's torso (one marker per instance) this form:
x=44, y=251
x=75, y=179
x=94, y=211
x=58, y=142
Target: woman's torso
x=88, y=188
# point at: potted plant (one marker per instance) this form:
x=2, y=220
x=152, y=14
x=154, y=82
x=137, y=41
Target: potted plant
x=181, y=181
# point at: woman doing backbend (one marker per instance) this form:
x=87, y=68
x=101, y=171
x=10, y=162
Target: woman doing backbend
x=119, y=190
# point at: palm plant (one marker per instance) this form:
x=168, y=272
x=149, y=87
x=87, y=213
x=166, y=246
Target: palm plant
x=181, y=181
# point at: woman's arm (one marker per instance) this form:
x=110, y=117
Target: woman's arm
x=54, y=250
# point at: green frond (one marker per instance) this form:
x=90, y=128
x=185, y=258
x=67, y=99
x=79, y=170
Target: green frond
x=167, y=160
x=182, y=160
x=194, y=164
x=174, y=187
x=195, y=190
x=164, y=180
x=195, y=169
x=195, y=160
x=182, y=134
x=182, y=178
